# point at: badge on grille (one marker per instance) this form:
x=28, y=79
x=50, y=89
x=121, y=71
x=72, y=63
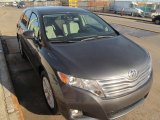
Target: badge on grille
x=132, y=74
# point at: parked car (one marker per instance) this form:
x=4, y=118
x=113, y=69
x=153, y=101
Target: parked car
x=155, y=13
x=127, y=7
x=87, y=68
x=14, y=4
x=156, y=19
x=21, y=4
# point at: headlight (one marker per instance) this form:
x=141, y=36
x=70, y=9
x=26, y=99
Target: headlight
x=89, y=85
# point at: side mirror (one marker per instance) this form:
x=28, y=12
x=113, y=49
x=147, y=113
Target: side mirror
x=29, y=34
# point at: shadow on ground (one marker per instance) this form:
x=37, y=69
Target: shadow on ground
x=27, y=84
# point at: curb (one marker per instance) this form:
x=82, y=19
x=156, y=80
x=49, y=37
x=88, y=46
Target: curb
x=11, y=108
x=133, y=18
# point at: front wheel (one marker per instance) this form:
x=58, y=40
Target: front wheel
x=48, y=93
x=157, y=22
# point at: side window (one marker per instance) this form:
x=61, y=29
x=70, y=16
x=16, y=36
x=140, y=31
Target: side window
x=33, y=24
x=26, y=17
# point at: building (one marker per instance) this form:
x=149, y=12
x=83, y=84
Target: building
x=7, y=1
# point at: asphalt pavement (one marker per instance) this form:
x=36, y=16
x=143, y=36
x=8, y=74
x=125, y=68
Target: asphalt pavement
x=132, y=23
x=9, y=105
x=133, y=31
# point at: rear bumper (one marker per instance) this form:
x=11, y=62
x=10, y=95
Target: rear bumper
x=95, y=107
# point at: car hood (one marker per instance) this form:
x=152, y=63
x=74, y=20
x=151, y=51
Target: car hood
x=99, y=59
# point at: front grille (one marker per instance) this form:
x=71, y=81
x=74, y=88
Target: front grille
x=114, y=88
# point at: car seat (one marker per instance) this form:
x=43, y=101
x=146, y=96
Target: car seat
x=49, y=28
x=70, y=28
x=59, y=26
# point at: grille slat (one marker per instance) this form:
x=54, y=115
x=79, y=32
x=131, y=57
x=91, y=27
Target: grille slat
x=124, y=83
x=123, y=91
x=124, y=87
x=118, y=87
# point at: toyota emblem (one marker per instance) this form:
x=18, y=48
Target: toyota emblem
x=132, y=74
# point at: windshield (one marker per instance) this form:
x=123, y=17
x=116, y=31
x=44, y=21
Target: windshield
x=75, y=26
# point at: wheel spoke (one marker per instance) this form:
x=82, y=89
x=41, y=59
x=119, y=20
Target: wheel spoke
x=48, y=92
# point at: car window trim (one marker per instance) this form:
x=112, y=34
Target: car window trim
x=37, y=21
x=22, y=18
x=28, y=18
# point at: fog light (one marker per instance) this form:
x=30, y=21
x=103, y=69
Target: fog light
x=75, y=113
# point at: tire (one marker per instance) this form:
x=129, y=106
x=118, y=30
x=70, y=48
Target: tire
x=21, y=50
x=157, y=21
x=49, y=94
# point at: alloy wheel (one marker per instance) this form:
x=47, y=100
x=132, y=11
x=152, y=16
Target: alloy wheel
x=48, y=93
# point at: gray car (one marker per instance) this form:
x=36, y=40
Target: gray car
x=87, y=68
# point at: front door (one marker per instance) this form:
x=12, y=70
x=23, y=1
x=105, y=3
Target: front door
x=33, y=47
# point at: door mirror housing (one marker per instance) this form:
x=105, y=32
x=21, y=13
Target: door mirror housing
x=29, y=34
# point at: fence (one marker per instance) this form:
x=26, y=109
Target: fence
x=92, y=5
x=96, y=5
x=104, y=5
x=44, y=3
x=35, y=3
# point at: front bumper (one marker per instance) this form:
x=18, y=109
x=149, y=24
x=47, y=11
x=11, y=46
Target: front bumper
x=95, y=107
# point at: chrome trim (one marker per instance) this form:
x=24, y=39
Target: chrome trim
x=121, y=86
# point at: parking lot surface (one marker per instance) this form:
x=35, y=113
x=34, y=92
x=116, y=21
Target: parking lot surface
x=132, y=23
x=28, y=86
x=133, y=31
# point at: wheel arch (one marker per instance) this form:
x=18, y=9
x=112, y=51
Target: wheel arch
x=41, y=69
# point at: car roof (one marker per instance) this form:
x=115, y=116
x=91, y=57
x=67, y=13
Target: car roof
x=56, y=9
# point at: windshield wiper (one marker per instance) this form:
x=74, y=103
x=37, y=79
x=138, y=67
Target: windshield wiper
x=85, y=38
x=96, y=37
x=63, y=41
